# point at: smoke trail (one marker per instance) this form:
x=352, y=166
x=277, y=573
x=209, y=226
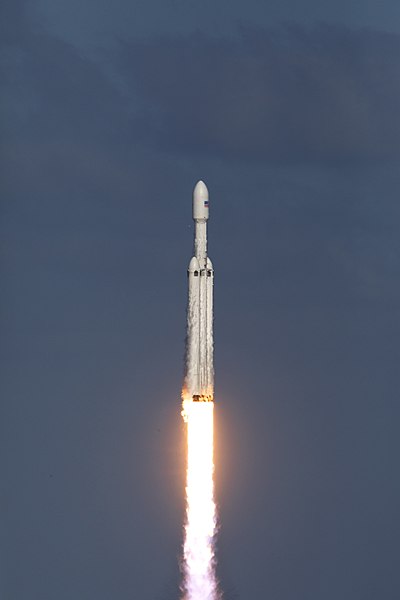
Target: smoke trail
x=199, y=578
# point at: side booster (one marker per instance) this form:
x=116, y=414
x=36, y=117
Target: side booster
x=200, y=346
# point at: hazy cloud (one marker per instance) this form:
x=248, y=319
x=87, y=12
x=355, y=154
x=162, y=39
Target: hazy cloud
x=49, y=90
x=325, y=94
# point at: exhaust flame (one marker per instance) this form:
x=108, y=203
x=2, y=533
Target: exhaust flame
x=200, y=581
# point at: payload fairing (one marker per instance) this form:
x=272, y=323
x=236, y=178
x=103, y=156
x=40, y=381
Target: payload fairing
x=199, y=380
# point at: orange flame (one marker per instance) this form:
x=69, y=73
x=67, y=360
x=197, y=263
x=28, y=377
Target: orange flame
x=199, y=564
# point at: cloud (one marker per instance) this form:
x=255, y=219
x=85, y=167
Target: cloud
x=50, y=91
x=326, y=94
x=320, y=95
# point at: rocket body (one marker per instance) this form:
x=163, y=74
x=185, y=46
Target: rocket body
x=199, y=378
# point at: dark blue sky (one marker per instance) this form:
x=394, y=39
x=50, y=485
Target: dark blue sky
x=110, y=112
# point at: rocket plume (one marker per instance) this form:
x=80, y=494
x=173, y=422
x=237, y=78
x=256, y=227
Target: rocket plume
x=198, y=551
x=199, y=578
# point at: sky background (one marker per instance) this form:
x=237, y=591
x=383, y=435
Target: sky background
x=110, y=113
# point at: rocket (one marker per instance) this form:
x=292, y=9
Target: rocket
x=199, y=379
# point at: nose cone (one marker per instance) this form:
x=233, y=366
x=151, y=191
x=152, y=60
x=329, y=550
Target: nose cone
x=194, y=265
x=200, y=191
x=200, y=201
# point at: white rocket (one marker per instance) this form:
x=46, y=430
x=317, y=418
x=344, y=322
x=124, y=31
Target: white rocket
x=199, y=380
